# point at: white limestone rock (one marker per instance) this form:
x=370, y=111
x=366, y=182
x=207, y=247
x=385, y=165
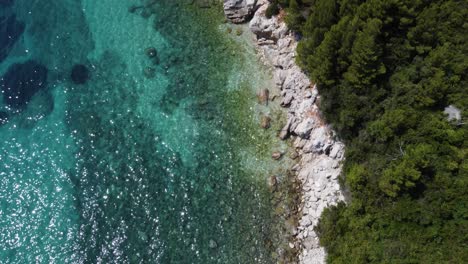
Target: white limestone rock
x=268, y=28
x=305, y=127
x=239, y=11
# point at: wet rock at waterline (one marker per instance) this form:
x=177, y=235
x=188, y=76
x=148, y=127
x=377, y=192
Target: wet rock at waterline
x=21, y=82
x=284, y=133
x=272, y=183
x=79, y=74
x=294, y=155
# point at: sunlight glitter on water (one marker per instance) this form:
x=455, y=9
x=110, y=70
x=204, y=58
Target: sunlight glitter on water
x=123, y=167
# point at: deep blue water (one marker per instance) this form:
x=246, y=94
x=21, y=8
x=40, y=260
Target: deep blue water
x=112, y=155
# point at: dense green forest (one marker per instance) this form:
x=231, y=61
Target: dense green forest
x=386, y=70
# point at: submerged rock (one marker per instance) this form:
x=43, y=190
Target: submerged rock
x=239, y=11
x=212, y=244
x=79, y=74
x=294, y=155
x=276, y=155
x=284, y=133
x=265, y=122
x=151, y=52
x=149, y=72
x=272, y=183
x=21, y=82
x=263, y=96
x=133, y=8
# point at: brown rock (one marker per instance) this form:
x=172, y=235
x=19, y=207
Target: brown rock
x=294, y=155
x=276, y=155
x=284, y=133
x=263, y=96
x=272, y=183
x=265, y=122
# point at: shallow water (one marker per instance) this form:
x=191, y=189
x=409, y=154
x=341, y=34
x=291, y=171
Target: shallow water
x=121, y=168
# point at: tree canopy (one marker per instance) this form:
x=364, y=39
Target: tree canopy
x=386, y=70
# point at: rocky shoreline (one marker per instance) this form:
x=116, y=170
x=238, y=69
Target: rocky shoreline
x=320, y=153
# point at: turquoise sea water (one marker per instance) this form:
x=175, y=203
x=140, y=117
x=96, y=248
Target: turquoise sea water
x=123, y=168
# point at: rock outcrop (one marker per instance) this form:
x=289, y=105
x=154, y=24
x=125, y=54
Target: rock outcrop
x=320, y=153
x=239, y=11
x=453, y=113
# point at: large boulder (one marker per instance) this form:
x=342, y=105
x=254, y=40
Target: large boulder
x=267, y=28
x=305, y=127
x=239, y=11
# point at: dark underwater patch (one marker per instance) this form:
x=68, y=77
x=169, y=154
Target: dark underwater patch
x=6, y=3
x=21, y=82
x=79, y=74
x=3, y=117
x=10, y=31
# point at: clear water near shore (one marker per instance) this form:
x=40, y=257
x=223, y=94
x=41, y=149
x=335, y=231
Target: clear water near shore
x=129, y=169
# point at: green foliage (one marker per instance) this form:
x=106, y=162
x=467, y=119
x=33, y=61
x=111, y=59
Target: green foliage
x=386, y=69
x=273, y=9
x=293, y=16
